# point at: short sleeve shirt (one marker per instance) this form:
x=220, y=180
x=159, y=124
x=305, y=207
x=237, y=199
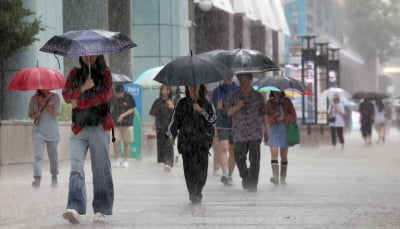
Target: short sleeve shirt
x=47, y=128
x=121, y=105
x=247, y=122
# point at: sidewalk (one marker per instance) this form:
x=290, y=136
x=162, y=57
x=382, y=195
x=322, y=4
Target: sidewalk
x=358, y=187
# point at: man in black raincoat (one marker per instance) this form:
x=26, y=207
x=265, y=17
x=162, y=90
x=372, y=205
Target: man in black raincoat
x=192, y=121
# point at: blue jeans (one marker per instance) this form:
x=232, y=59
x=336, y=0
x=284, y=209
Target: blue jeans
x=39, y=144
x=97, y=141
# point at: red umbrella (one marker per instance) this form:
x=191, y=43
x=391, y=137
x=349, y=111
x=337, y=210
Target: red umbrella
x=36, y=78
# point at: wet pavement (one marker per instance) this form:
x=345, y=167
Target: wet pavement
x=358, y=187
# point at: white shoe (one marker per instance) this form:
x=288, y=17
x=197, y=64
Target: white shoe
x=71, y=215
x=167, y=168
x=125, y=164
x=99, y=218
x=118, y=162
x=229, y=181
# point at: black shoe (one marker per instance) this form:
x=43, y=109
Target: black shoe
x=224, y=180
x=252, y=189
x=54, y=181
x=36, y=182
x=195, y=199
x=245, y=184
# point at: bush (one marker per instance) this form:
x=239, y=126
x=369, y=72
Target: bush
x=66, y=112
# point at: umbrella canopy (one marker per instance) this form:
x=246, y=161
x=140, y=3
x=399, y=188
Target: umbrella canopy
x=119, y=78
x=246, y=61
x=146, y=79
x=192, y=70
x=212, y=53
x=369, y=94
x=88, y=43
x=283, y=83
x=330, y=92
x=37, y=78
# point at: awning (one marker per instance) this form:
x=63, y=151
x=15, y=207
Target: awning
x=224, y=5
x=244, y=7
x=280, y=19
x=264, y=14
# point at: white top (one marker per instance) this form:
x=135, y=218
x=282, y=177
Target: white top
x=339, y=122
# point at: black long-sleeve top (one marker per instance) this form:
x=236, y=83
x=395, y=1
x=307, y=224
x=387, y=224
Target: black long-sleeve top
x=194, y=129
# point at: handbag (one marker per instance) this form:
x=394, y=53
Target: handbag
x=332, y=119
x=293, y=134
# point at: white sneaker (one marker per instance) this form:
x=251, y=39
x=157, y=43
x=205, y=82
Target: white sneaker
x=118, y=162
x=125, y=164
x=99, y=218
x=71, y=215
x=167, y=168
x=229, y=181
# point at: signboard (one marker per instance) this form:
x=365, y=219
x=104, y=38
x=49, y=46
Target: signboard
x=136, y=146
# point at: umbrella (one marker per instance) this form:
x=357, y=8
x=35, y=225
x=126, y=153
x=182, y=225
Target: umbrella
x=88, y=43
x=36, y=78
x=119, y=78
x=246, y=61
x=290, y=91
x=212, y=53
x=146, y=79
x=330, y=92
x=191, y=70
x=369, y=94
x=283, y=83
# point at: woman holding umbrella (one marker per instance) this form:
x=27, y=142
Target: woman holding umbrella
x=280, y=113
x=192, y=121
x=89, y=95
x=44, y=108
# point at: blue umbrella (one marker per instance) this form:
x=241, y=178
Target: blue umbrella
x=146, y=79
x=87, y=43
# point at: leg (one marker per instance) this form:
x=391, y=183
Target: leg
x=103, y=187
x=38, y=145
x=77, y=189
x=254, y=158
x=241, y=149
x=53, y=157
x=284, y=165
x=274, y=164
x=216, y=150
x=333, y=135
x=190, y=169
x=340, y=135
x=224, y=159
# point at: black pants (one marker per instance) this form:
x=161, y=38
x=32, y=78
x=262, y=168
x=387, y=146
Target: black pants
x=337, y=131
x=195, y=167
x=165, y=150
x=249, y=174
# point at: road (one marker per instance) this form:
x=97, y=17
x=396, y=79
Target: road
x=358, y=187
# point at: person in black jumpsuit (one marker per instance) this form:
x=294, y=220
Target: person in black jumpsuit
x=192, y=121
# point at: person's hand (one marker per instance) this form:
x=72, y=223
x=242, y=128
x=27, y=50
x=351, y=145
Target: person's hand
x=239, y=104
x=120, y=118
x=74, y=103
x=153, y=126
x=87, y=85
x=36, y=114
x=280, y=118
x=172, y=141
x=219, y=104
x=197, y=107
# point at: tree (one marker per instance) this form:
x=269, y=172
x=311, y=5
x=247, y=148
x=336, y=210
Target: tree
x=16, y=33
x=374, y=28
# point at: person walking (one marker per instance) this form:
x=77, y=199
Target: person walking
x=280, y=113
x=89, y=95
x=161, y=112
x=176, y=95
x=225, y=154
x=249, y=123
x=367, y=115
x=192, y=121
x=380, y=120
x=122, y=108
x=44, y=107
x=336, y=114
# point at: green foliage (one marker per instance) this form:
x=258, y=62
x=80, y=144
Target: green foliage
x=375, y=27
x=66, y=112
x=16, y=30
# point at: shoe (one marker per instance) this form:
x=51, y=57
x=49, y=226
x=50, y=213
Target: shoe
x=177, y=163
x=230, y=181
x=99, y=218
x=125, y=164
x=167, y=168
x=195, y=199
x=118, y=162
x=71, y=215
x=54, y=181
x=36, y=182
x=224, y=180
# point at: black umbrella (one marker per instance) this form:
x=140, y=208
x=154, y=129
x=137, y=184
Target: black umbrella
x=192, y=70
x=282, y=83
x=369, y=94
x=119, y=78
x=87, y=43
x=246, y=61
x=212, y=53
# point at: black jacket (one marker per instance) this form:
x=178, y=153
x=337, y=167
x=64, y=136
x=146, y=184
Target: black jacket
x=195, y=130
